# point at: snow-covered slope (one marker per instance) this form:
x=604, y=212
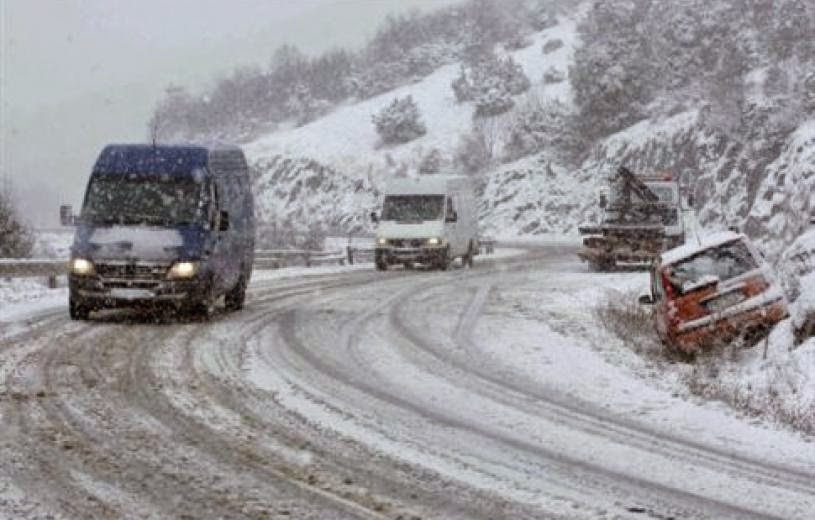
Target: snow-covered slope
x=329, y=171
x=346, y=140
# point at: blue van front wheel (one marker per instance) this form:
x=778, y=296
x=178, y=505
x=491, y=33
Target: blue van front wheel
x=235, y=298
x=78, y=311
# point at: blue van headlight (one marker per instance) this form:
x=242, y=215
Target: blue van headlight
x=82, y=267
x=182, y=270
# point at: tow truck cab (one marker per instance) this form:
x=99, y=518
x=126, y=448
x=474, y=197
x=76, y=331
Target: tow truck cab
x=163, y=225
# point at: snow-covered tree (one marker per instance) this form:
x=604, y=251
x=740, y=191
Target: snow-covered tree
x=493, y=98
x=16, y=239
x=490, y=82
x=432, y=162
x=303, y=107
x=610, y=75
x=399, y=122
x=541, y=126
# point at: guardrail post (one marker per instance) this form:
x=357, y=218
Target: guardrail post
x=307, y=259
x=52, y=282
x=349, y=251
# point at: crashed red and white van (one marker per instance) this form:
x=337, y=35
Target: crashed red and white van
x=713, y=291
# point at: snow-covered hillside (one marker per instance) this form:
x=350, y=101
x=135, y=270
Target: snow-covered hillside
x=329, y=171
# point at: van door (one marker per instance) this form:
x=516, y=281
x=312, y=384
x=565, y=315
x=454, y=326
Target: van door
x=232, y=236
x=219, y=251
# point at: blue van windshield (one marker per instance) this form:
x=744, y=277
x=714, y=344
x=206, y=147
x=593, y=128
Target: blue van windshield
x=148, y=200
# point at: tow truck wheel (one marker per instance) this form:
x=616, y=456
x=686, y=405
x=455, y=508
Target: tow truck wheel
x=381, y=265
x=78, y=311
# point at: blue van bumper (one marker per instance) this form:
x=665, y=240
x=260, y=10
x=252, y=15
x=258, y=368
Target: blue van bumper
x=133, y=287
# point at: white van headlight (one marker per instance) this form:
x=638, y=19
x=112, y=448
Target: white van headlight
x=434, y=241
x=381, y=241
x=181, y=270
x=82, y=267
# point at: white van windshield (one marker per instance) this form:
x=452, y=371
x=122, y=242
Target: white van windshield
x=413, y=207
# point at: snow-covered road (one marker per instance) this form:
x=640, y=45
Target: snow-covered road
x=483, y=393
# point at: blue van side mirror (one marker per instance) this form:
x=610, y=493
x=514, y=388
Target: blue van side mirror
x=66, y=215
x=224, y=225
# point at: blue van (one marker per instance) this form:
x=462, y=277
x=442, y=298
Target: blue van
x=167, y=225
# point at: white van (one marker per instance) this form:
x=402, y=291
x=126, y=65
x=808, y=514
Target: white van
x=430, y=220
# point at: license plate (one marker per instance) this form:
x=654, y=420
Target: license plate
x=725, y=301
x=131, y=294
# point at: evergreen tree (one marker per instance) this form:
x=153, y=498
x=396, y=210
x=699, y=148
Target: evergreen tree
x=399, y=122
x=16, y=239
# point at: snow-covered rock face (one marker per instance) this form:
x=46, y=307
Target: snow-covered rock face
x=786, y=197
x=303, y=193
x=535, y=196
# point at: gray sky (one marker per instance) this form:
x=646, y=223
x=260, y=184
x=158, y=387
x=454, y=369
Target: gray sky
x=76, y=74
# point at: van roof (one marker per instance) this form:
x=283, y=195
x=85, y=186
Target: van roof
x=425, y=185
x=159, y=159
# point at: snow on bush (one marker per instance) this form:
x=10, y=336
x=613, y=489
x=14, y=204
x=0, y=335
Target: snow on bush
x=541, y=125
x=490, y=82
x=493, y=100
x=621, y=313
x=399, y=122
x=432, y=163
x=771, y=380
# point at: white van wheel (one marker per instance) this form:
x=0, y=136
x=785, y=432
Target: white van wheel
x=467, y=259
x=443, y=263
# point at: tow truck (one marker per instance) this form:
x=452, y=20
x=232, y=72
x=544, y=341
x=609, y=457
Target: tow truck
x=642, y=217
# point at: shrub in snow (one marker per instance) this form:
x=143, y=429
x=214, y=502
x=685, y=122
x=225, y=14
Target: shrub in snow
x=399, y=122
x=552, y=45
x=622, y=315
x=432, y=162
x=462, y=88
x=513, y=76
x=493, y=100
x=490, y=82
x=553, y=75
x=474, y=153
x=16, y=239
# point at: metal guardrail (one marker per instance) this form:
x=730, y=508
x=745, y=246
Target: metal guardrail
x=32, y=267
x=264, y=259
x=486, y=246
